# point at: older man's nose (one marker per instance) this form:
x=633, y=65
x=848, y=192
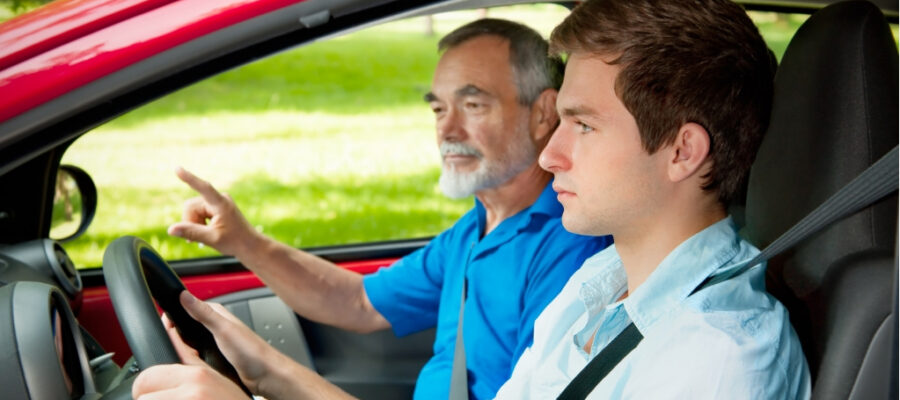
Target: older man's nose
x=449, y=127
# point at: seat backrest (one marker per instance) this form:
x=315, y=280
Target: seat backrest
x=834, y=114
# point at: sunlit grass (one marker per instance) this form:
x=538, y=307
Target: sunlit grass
x=284, y=145
x=326, y=144
x=307, y=179
x=311, y=212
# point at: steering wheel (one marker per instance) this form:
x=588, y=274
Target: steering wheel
x=135, y=275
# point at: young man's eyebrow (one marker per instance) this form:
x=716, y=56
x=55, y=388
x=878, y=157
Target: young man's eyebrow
x=576, y=111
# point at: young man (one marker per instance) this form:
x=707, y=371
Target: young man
x=493, y=95
x=663, y=106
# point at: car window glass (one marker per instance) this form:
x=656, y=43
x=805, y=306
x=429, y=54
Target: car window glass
x=326, y=144
x=777, y=28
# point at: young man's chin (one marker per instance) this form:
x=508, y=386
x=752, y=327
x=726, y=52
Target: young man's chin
x=573, y=223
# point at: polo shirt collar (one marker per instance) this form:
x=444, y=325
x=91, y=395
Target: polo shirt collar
x=546, y=204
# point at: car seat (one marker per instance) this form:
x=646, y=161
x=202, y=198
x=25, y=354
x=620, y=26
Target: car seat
x=834, y=114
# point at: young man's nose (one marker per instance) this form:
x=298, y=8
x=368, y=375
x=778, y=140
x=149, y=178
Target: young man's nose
x=556, y=155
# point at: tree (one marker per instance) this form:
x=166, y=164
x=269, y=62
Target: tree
x=21, y=6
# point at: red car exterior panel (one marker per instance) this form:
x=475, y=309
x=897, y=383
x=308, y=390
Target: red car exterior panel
x=59, y=70
x=98, y=317
x=61, y=22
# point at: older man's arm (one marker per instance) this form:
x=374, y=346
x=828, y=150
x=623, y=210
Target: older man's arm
x=313, y=287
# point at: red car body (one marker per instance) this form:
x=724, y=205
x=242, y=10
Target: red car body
x=65, y=48
x=67, y=44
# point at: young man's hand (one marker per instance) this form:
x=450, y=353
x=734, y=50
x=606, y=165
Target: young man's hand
x=213, y=219
x=176, y=381
x=261, y=367
x=242, y=347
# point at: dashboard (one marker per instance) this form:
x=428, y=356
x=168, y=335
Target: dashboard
x=44, y=353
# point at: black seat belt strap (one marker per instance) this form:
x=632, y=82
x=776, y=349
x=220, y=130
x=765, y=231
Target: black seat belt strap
x=875, y=183
x=605, y=361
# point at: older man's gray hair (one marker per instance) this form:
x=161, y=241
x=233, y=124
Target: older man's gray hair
x=533, y=69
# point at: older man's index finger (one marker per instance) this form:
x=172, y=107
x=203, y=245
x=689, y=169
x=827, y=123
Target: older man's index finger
x=206, y=189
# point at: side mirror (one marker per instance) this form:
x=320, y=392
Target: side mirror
x=74, y=203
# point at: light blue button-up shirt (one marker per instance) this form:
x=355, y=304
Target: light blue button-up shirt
x=731, y=340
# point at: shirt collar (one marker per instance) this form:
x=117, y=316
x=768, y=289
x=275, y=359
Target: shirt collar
x=682, y=271
x=607, y=283
x=546, y=204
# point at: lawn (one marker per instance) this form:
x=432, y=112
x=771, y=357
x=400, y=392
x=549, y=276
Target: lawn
x=330, y=143
x=326, y=144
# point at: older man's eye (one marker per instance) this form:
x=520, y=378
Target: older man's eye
x=473, y=106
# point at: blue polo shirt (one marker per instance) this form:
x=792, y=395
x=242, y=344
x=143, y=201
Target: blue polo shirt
x=513, y=273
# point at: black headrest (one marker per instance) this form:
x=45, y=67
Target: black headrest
x=834, y=114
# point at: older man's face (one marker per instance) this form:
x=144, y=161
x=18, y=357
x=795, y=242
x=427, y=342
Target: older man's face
x=482, y=130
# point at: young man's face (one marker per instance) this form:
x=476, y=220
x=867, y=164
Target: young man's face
x=605, y=180
x=482, y=130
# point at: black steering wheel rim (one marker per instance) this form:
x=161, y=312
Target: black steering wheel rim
x=130, y=265
x=135, y=275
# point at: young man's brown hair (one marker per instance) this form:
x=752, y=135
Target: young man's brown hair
x=680, y=64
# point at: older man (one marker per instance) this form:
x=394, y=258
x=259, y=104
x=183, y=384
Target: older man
x=493, y=96
x=663, y=107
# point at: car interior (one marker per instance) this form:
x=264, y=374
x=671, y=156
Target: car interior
x=835, y=113
x=830, y=121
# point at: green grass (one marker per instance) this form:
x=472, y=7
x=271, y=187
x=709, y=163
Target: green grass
x=326, y=144
x=306, y=178
x=777, y=29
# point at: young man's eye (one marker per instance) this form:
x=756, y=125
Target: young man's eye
x=584, y=128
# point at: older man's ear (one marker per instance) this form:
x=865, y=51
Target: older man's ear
x=544, y=118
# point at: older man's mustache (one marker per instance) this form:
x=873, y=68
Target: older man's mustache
x=458, y=148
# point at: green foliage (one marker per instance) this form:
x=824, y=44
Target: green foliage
x=16, y=7
x=777, y=29
x=313, y=212
x=341, y=77
x=313, y=155
x=330, y=143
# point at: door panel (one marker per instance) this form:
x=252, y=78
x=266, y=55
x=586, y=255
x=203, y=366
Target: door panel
x=373, y=366
x=377, y=365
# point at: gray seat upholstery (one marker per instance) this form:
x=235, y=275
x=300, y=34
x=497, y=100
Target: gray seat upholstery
x=834, y=114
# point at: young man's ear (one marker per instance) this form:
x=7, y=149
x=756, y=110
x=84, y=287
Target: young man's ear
x=544, y=118
x=689, y=152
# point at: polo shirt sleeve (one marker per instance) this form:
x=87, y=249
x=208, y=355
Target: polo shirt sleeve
x=408, y=292
x=560, y=255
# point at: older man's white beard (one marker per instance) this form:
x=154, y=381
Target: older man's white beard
x=490, y=173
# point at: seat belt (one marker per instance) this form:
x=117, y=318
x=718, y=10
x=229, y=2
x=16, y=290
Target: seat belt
x=459, y=378
x=875, y=183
